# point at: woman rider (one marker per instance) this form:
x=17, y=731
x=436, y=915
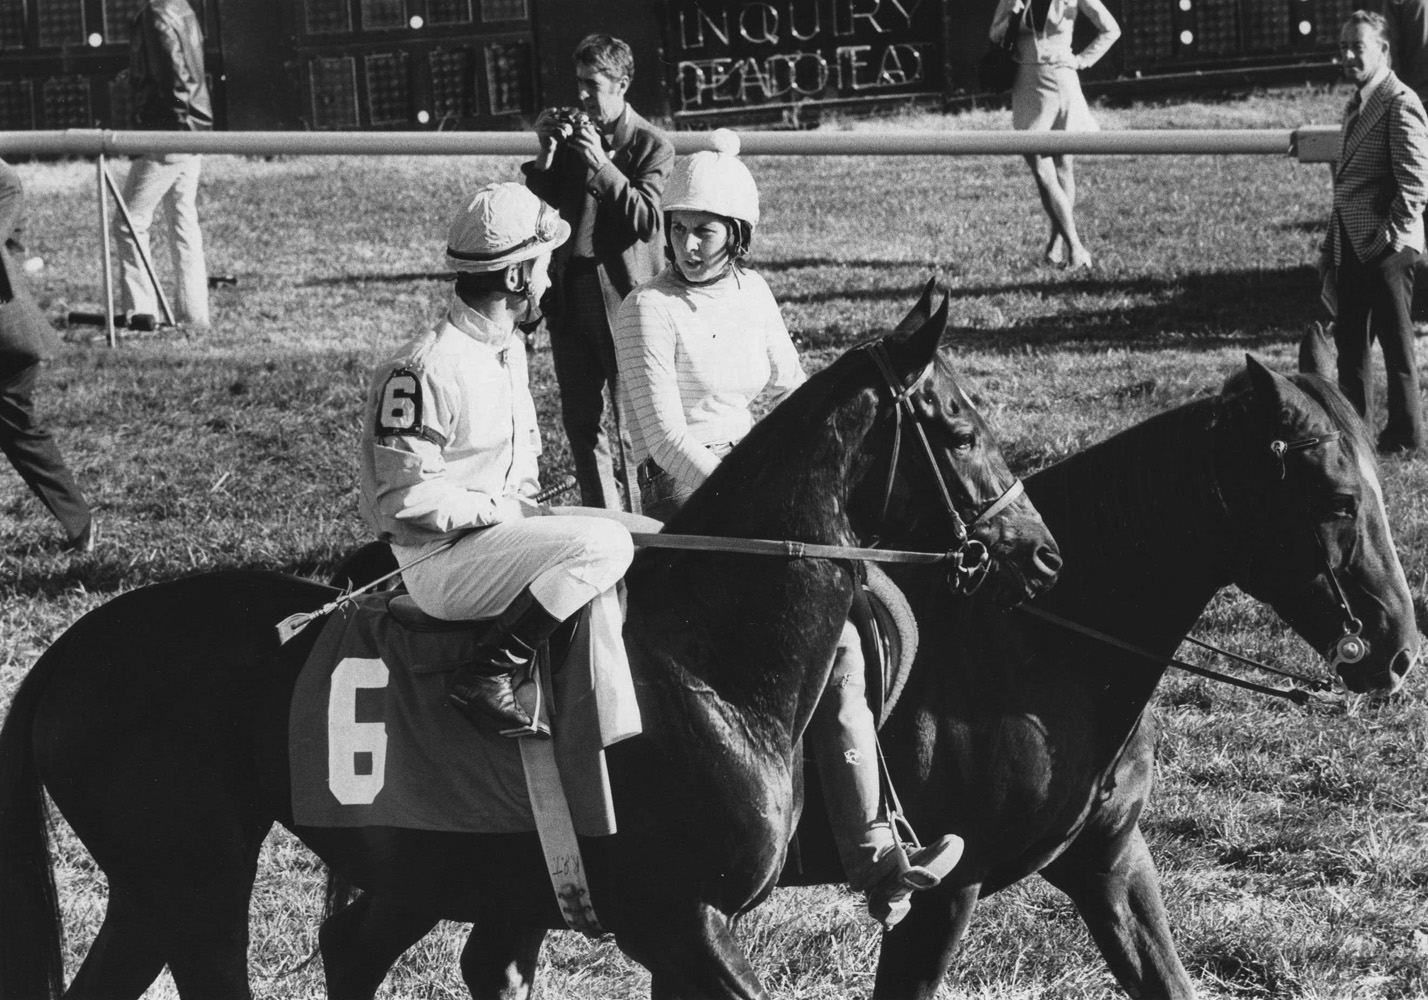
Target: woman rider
x=696, y=345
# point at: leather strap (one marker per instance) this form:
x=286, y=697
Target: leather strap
x=788, y=549
x=556, y=830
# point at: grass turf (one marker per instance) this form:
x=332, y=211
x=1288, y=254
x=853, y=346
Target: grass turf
x=1290, y=842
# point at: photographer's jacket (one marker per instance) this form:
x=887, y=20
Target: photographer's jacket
x=627, y=236
x=166, y=72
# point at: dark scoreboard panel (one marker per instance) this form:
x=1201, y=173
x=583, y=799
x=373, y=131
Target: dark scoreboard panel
x=1160, y=34
x=317, y=64
x=491, y=64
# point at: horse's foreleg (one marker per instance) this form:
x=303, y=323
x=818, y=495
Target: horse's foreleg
x=361, y=942
x=691, y=954
x=499, y=960
x=1115, y=887
x=916, y=953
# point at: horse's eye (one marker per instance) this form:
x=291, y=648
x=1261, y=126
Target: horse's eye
x=1343, y=505
x=964, y=440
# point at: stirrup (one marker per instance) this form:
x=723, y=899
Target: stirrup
x=531, y=700
x=926, y=867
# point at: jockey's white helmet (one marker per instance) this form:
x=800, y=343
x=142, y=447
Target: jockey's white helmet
x=714, y=181
x=503, y=224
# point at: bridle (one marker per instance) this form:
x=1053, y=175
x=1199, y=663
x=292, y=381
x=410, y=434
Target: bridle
x=973, y=560
x=1350, y=647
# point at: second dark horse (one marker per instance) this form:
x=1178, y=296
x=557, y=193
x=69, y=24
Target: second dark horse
x=1031, y=742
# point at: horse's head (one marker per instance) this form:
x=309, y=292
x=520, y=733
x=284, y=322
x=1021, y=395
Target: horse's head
x=1319, y=550
x=944, y=481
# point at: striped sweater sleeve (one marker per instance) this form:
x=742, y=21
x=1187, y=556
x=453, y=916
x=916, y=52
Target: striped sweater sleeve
x=645, y=344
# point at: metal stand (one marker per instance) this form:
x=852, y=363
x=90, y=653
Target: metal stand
x=109, y=335
x=144, y=257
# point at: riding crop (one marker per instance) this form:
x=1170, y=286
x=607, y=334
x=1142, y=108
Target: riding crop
x=295, y=623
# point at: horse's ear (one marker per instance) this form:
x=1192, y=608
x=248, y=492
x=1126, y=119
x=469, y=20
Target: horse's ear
x=913, y=350
x=1278, y=397
x=919, y=313
x=1317, y=354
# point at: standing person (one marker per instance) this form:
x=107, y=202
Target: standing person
x=169, y=92
x=696, y=346
x=1375, y=232
x=1047, y=96
x=449, y=467
x=1407, y=22
x=605, y=173
x=26, y=339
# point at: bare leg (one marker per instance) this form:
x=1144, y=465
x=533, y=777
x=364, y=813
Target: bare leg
x=1117, y=891
x=1059, y=208
x=1066, y=174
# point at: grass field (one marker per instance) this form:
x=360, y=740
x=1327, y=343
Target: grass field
x=1291, y=842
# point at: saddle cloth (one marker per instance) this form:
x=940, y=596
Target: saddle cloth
x=372, y=741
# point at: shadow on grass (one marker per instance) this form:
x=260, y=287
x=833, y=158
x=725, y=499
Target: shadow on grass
x=1247, y=307
x=35, y=572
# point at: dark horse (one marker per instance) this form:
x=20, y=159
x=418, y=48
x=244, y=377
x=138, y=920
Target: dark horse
x=158, y=722
x=1031, y=742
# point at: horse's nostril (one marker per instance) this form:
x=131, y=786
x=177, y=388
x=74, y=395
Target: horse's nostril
x=1047, y=560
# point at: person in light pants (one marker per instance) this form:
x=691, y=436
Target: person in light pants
x=173, y=181
x=169, y=92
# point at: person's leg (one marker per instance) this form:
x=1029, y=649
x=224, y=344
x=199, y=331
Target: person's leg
x=842, y=737
x=1392, y=300
x=144, y=187
x=187, y=245
x=1058, y=208
x=532, y=573
x=580, y=374
x=1079, y=256
x=1351, y=335
x=36, y=457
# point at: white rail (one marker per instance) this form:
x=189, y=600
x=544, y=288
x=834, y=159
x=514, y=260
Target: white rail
x=1310, y=143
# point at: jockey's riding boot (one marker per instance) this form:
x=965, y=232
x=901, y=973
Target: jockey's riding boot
x=484, y=689
x=903, y=870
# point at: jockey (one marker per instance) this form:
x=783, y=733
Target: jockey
x=449, y=466
x=696, y=345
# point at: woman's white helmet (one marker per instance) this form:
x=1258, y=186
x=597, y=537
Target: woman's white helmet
x=503, y=224
x=714, y=181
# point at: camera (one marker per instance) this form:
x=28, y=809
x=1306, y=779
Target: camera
x=574, y=117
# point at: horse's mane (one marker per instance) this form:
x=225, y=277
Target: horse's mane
x=1150, y=483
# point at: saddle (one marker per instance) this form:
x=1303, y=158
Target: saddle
x=889, y=637
x=373, y=742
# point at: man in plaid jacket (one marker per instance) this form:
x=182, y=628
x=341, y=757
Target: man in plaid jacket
x=1376, y=229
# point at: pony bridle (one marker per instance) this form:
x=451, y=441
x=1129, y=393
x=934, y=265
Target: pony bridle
x=972, y=560
x=1350, y=647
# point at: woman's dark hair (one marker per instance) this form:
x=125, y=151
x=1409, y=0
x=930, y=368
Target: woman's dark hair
x=741, y=236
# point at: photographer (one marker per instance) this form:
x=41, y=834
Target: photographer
x=603, y=167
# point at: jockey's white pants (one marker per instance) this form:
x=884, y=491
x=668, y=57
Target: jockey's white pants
x=566, y=561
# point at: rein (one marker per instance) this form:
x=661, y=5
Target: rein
x=973, y=561
x=1297, y=695
x=1350, y=646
